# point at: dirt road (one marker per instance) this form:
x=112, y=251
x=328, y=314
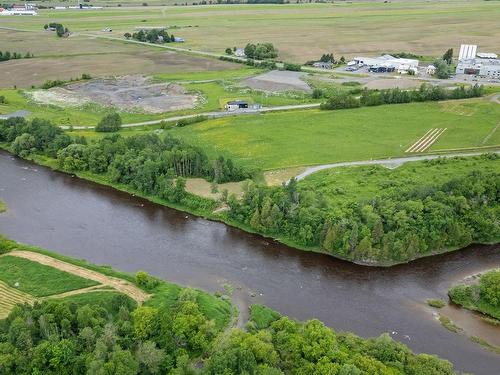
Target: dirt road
x=389, y=163
x=209, y=115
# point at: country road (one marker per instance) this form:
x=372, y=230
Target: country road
x=209, y=115
x=389, y=163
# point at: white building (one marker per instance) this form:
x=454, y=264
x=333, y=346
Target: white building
x=430, y=70
x=17, y=12
x=386, y=61
x=235, y=105
x=484, y=64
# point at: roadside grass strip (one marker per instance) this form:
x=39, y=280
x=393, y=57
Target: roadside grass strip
x=9, y=297
x=427, y=140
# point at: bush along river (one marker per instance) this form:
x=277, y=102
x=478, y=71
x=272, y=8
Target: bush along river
x=105, y=226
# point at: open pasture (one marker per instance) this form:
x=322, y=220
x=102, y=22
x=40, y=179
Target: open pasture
x=299, y=138
x=302, y=32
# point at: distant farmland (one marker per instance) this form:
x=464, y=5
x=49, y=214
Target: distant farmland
x=299, y=138
x=301, y=31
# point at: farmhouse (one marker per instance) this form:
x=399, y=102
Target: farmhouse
x=484, y=64
x=236, y=104
x=385, y=63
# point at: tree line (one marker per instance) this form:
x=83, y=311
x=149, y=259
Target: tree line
x=151, y=36
x=7, y=55
x=58, y=28
x=426, y=92
x=148, y=163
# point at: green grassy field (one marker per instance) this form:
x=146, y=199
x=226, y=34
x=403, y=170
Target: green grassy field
x=33, y=277
x=3, y=206
x=281, y=140
x=348, y=184
x=427, y=28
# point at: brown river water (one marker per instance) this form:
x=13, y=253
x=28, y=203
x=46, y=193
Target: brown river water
x=104, y=226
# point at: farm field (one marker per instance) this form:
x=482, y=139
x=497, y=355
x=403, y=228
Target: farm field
x=348, y=184
x=66, y=58
x=359, y=28
x=299, y=138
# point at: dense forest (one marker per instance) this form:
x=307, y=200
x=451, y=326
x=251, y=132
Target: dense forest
x=395, y=225
x=176, y=332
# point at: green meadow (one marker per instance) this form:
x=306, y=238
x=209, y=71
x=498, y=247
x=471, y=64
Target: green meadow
x=309, y=137
x=348, y=184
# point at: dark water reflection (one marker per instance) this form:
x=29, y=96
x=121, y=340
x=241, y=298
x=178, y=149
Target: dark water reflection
x=85, y=220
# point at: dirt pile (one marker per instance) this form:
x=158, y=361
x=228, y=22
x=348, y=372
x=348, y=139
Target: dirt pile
x=128, y=93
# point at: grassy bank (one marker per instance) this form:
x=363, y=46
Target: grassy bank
x=3, y=206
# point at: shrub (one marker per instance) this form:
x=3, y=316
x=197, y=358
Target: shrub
x=292, y=67
x=144, y=280
x=437, y=303
x=109, y=123
x=341, y=101
x=191, y=120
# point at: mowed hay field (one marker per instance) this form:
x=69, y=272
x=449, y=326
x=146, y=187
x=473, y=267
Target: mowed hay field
x=302, y=31
x=9, y=297
x=309, y=137
x=66, y=58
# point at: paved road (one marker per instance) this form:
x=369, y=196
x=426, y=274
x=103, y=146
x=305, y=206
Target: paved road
x=389, y=163
x=209, y=115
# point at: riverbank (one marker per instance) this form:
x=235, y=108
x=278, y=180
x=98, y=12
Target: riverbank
x=85, y=220
x=207, y=209
x=206, y=337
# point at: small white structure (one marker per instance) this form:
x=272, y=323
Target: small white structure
x=323, y=65
x=178, y=40
x=240, y=52
x=487, y=55
x=430, y=70
x=235, y=105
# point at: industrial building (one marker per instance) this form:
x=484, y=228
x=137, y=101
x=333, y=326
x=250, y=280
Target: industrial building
x=385, y=63
x=483, y=64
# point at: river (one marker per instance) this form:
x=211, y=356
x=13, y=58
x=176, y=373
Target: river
x=104, y=226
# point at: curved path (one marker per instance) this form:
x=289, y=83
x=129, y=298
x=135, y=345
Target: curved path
x=389, y=163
